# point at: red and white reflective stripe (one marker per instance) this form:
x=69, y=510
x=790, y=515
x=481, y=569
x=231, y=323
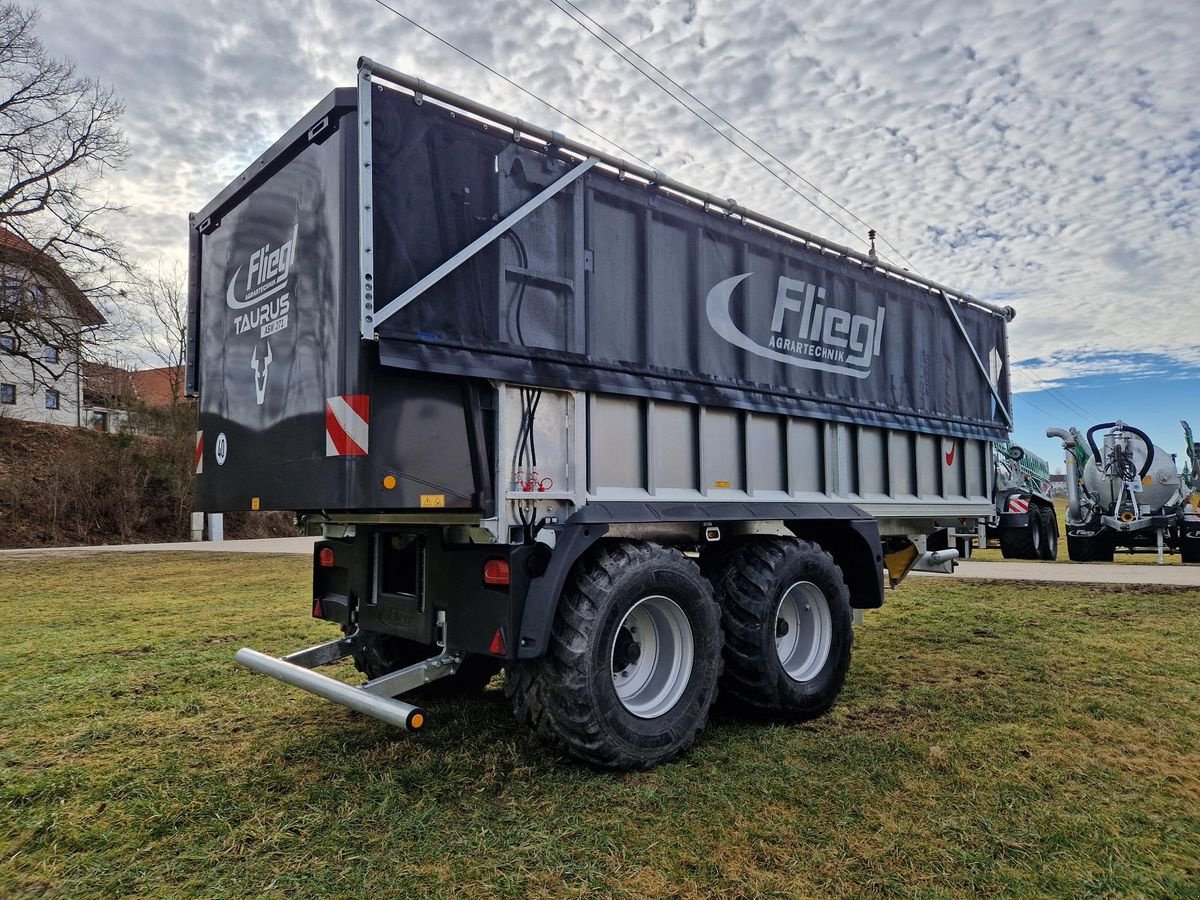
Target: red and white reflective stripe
x=347, y=421
x=1018, y=505
x=199, y=452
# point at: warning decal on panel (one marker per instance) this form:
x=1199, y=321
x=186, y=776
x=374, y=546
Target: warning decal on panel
x=433, y=501
x=347, y=424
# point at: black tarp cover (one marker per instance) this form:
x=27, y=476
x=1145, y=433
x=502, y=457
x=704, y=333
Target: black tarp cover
x=617, y=287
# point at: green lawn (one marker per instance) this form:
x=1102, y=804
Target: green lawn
x=993, y=739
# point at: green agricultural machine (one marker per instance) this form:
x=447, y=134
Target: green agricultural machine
x=1026, y=524
x=1125, y=492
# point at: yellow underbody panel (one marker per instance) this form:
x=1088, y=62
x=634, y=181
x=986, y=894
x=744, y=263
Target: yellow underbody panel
x=898, y=562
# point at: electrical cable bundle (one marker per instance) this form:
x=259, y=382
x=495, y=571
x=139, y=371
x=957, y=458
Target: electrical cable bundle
x=525, y=454
x=524, y=459
x=525, y=451
x=524, y=259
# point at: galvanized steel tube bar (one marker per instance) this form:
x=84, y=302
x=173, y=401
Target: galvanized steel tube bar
x=394, y=712
x=983, y=369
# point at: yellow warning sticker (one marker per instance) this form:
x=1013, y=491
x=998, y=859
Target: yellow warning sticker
x=433, y=501
x=720, y=484
x=254, y=504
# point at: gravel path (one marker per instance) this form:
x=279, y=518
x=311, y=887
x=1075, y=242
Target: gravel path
x=1086, y=573
x=297, y=545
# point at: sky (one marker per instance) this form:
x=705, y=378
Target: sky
x=1042, y=156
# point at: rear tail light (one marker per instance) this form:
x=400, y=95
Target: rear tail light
x=325, y=557
x=495, y=571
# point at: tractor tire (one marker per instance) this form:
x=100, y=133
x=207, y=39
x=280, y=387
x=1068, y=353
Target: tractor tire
x=785, y=608
x=383, y=654
x=1090, y=549
x=1048, y=519
x=633, y=662
x=1189, y=548
x=1023, y=543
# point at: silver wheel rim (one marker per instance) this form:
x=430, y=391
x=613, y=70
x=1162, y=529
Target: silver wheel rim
x=651, y=656
x=803, y=631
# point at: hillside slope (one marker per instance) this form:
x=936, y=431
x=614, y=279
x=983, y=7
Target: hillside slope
x=64, y=486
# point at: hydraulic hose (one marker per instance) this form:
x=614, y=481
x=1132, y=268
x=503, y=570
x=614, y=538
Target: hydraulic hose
x=1137, y=431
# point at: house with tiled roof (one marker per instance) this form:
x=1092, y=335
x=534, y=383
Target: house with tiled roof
x=43, y=318
x=111, y=394
x=108, y=394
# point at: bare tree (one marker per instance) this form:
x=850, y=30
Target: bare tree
x=60, y=272
x=159, y=310
x=161, y=301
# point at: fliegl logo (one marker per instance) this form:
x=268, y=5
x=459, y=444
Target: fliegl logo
x=804, y=332
x=265, y=298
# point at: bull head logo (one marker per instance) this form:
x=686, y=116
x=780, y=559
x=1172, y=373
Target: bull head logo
x=260, y=375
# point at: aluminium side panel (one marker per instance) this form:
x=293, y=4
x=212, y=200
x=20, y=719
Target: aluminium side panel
x=640, y=449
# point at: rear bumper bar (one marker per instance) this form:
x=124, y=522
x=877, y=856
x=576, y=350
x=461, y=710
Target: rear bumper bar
x=394, y=712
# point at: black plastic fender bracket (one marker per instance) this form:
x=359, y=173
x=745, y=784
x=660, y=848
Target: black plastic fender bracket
x=541, y=601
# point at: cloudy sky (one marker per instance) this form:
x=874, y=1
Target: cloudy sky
x=1048, y=158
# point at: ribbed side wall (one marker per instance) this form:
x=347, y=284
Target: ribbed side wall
x=640, y=448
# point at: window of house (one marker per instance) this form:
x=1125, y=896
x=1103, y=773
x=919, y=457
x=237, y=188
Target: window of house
x=16, y=291
x=53, y=400
x=8, y=343
x=10, y=293
x=8, y=393
x=50, y=354
x=99, y=420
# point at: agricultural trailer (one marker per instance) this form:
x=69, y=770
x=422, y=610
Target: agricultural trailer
x=1025, y=524
x=557, y=413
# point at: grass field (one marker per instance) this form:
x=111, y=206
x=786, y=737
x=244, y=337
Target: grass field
x=993, y=739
